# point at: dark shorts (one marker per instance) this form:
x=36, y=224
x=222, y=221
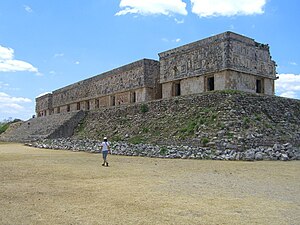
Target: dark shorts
x=104, y=153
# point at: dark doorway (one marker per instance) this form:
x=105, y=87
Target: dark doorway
x=259, y=86
x=133, y=97
x=210, y=84
x=78, y=105
x=87, y=105
x=113, y=100
x=68, y=108
x=97, y=103
x=177, y=91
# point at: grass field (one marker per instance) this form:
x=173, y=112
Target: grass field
x=39, y=186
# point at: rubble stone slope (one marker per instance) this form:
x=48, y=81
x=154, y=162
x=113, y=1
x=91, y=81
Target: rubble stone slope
x=54, y=126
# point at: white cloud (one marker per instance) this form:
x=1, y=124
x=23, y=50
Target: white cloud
x=289, y=94
x=10, y=104
x=9, y=64
x=288, y=85
x=179, y=21
x=6, y=53
x=293, y=63
x=11, y=107
x=209, y=8
x=148, y=7
x=58, y=55
x=174, y=40
x=5, y=98
x=3, y=85
x=77, y=62
x=28, y=8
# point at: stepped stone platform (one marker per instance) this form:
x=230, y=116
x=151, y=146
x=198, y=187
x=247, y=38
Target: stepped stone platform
x=54, y=126
x=218, y=120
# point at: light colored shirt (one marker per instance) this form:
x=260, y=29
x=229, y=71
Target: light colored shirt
x=105, y=146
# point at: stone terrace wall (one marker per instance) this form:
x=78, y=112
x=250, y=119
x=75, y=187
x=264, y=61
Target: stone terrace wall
x=219, y=120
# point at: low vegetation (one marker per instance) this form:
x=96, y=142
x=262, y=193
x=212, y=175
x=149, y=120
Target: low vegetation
x=144, y=108
x=5, y=124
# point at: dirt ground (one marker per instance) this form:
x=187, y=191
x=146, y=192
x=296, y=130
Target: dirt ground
x=39, y=186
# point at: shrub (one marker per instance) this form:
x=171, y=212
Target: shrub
x=145, y=130
x=3, y=127
x=5, y=124
x=136, y=140
x=246, y=120
x=204, y=141
x=229, y=135
x=201, y=121
x=163, y=150
x=221, y=125
x=213, y=117
x=116, y=138
x=144, y=108
x=190, y=127
x=257, y=117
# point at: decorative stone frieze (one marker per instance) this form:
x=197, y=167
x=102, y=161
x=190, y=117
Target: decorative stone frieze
x=222, y=62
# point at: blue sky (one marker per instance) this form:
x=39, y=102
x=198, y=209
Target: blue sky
x=45, y=45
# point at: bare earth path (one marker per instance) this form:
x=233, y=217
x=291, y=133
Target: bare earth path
x=61, y=187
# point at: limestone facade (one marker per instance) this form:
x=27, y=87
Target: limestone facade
x=135, y=82
x=221, y=62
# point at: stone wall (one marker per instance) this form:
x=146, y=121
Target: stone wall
x=127, y=78
x=44, y=105
x=135, y=82
x=248, y=56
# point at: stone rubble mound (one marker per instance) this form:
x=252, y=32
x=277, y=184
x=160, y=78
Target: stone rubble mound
x=53, y=126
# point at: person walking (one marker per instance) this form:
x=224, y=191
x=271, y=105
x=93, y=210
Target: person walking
x=105, y=147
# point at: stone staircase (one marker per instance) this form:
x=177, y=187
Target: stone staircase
x=53, y=126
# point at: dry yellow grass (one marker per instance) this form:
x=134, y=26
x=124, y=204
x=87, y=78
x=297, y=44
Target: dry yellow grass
x=60, y=187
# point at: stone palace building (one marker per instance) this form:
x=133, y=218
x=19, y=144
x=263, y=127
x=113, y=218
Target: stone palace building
x=227, y=61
